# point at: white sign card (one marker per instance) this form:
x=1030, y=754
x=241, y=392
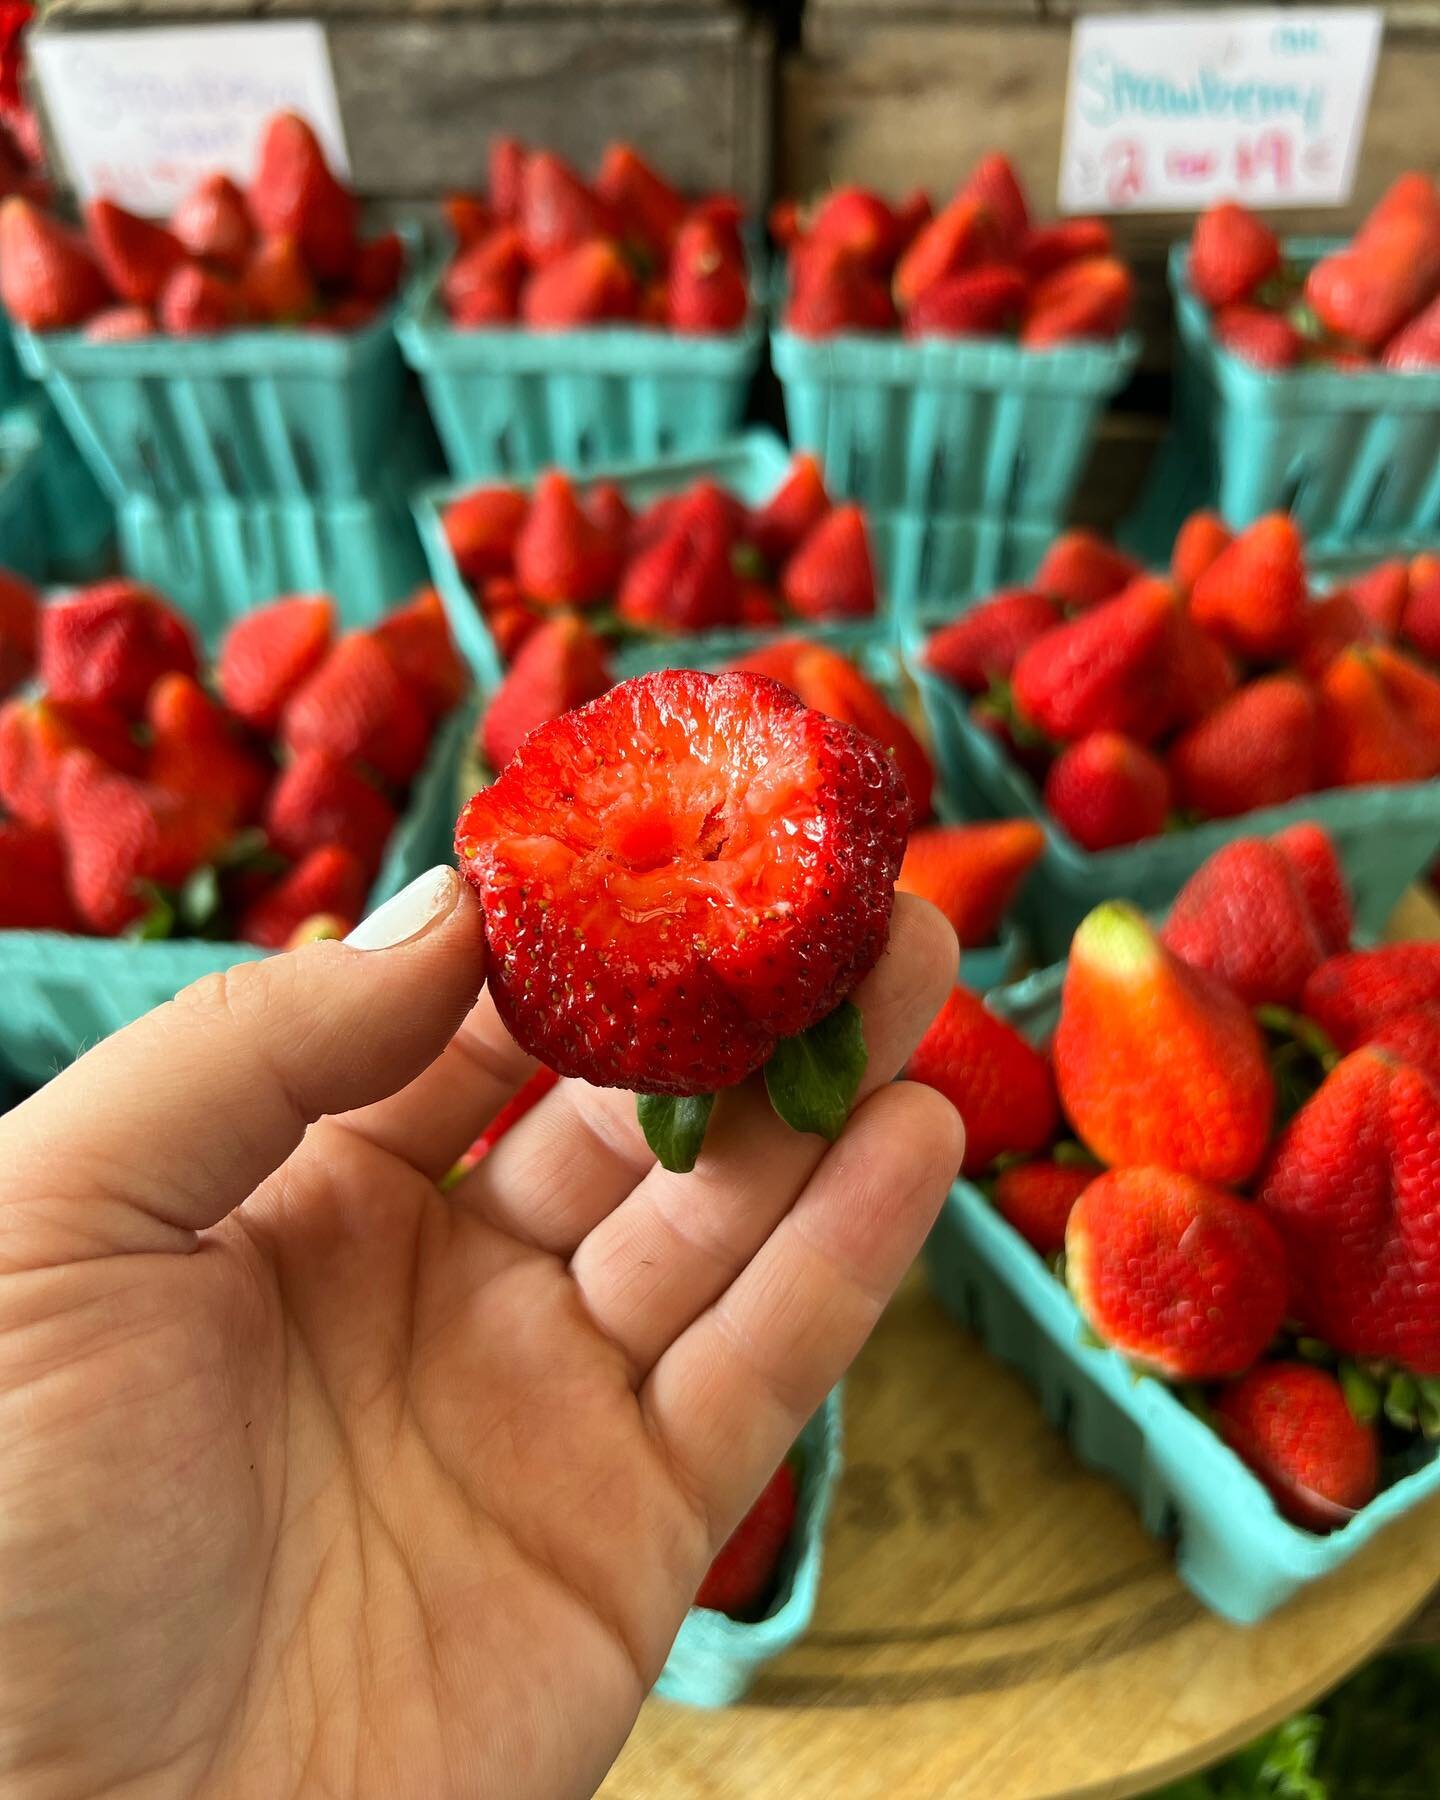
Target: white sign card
x=1167, y=112
x=140, y=115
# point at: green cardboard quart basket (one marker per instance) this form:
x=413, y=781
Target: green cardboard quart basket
x=715, y=1659
x=1234, y=1552
x=22, y=496
x=509, y=402
x=79, y=519
x=61, y=994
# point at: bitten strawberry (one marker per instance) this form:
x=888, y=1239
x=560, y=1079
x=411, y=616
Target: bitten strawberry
x=268, y=653
x=744, y=1571
x=1291, y=1424
x=1352, y=994
x=680, y=875
x=1000, y=1085
x=1080, y=568
x=561, y=557
x=328, y=883
x=357, y=708
x=1106, y=790
x=560, y=665
x=1231, y=253
x=111, y=643
x=981, y=646
x=1243, y=916
x=971, y=872
x=318, y=799
x=1185, y=1279
x=1258, y=748
x=1157, y=1063
x=1037, y=1198
x=830, y=682
x=1253, y=595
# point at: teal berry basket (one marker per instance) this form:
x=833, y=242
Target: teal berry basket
x=936, y=567
x=79, y=519
x=1234, y=1551
x=61, y=994
x=509, y=402
x=1384, y=835
x=22, y=494
x=715, y=1659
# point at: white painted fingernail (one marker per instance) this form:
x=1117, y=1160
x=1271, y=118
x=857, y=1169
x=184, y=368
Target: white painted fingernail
x=427, y=900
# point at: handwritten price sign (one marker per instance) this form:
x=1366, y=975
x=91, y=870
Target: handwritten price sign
x=1169, y=111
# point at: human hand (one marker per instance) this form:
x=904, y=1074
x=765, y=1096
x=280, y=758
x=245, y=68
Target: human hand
x=318, y=1480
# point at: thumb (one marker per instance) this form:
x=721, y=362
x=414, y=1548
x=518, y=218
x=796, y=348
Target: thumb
x=168, y=1125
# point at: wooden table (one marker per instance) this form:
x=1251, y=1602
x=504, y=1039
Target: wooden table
x=995, y=1624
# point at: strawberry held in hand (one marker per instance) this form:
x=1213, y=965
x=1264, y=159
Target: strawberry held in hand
x=744, y=1570
x=677, y=879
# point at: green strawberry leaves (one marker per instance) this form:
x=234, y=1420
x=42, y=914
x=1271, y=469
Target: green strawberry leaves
x=812, y=1078
x=674, y=1127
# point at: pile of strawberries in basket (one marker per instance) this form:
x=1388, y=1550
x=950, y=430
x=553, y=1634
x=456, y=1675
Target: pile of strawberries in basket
x=135, y=800
x=1233, y=1140
x=1374, y=301
x=977, y=267
x=547, y=249
x=692, y=561
x=287, y=251
x=1141, y=702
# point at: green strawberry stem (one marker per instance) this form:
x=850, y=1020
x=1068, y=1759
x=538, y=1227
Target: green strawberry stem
x=1362, y=1392
x=674, y=1127
x=812, y=1078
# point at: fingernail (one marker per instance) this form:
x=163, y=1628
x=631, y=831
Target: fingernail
x=427, y=900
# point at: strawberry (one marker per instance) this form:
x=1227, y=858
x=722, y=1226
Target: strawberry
x=1421, y=624
x=1352, y=1189
x=33, y=895
x=1231, y=253
x=998, y=189
x=267, y=654
x=1366, y=291
x=294, y=194
x=609, y=512
x=832, y=290
x=121, y=325
x=1415, y=692
x=1366, y=733
x=684, y=581
x=196, y=756
x=758, y=609
x=1088, y=299
x=1081, y=568
x=1416, y=345
x=707, y=287
x=558, y=213
x=560, y=665
x=1243, y=916
x=416, y=637
x=832, y=575
x=35, y=736
x=352, y=313
x=1037, y=1198
x=1181, y=1277
x=1258, y=748
x=958, y=238
x=982, y=645
x=196, y=303
x=1110, y=669
x=48, y=279
x=589, y=285
x=1411, y=195
x=561, y=557
x=795, y=508
x=1204, y=675
x=780, y=658
x=318, y=799
x=510, y=624
x=1291, y=1424
x=1331, y=625
x=481, y=528
x=859, y=222
x=356, y=707
x=1412, y=1037
x=977, y=302
x=276, y=286
x=746, y=1568
x=1001, y=1087
x=328, y=883
x=212, y=223
x=136, y=256
x=1352, y=995
x=19, y=630
x=1252, y=597
x=912, y=214
x=1106, y=790
x=482, y=285
x=1050, y=247
x=971, y=872
x=1200, y=540
x=469, y=217
x=1380, y=594
x=1308, y=849
x=833, y=685
x=1158, y=1063
x=111, y=643
x=506, y=171
x=648, y=211
x=1267, y=340
x=705, y=800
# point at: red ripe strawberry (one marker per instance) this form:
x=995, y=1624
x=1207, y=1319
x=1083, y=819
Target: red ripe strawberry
x=784, y=223
x=510, y=625
x=1421, y=626
x=1352, y=1189
x=912, y=215
x=745, y=1570
x=780, y=659
x=469, y=217
x=1380, y=594
x=1051, y=247
x=19, y=630
x=1081, y=568
x=1231, y=253
x=831, y=575
x=35, y=736
x=511, y=1113
x=416, y=637
x=1110, y=669
x=1243, y=916
x=977, y=302
x=482, y=284
x=1331, y=625
x=1183, y=1278
x=982, y=645
x=558, y=213
x=317, y=799
x=1352, y=995
x=959, y=238
x=120, y=325
x=646, y=209
x=1411, y=195
x=196, y=303
x=1037, y=1199
x=294, y=194
x=560, y=665
x=758, y=608
x=998, y=189
x=481, y=528
x=1366, y=732
x=1204, y=676
x=1252, y=597
x=832, y=290
x=48, y=279
x=707, y=289
x=561, y=557
x=507, y=161
x=135, y=255
x=277, y=286
x=379, y=264
x=792, y=511
x=33, y=895
x=1412, y=1037
x=1089, y=299
x=328, y=883
x=1157, y=1063
x=350, y=314
x=1308, y=849
x=1416, y=693
x=833, y=685
x=1265, y=339
x=1378, y=282
x=196, y=756
x=1200, y=540
x=111, y=643
x=1291, y=1424
x=1416, y=345
x=858, y=221
x=589, y=285
x=212, y=223
x=356, y=707
x=1106, y=790
x=609, y=512
x=1000, y=1086
x=971, y=872
x=1259, y=748
x=267, y=654
x=618, y=961
x=685, y=581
